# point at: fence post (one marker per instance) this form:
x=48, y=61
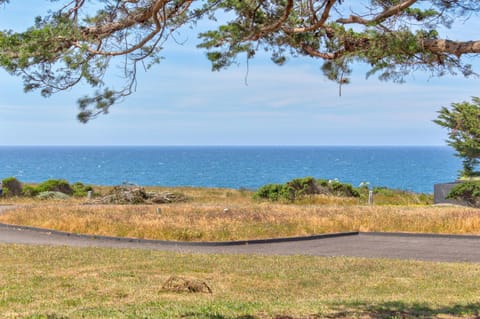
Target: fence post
x=370, y=197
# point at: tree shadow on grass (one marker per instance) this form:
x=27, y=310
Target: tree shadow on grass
x=214, y=316
x=404, y=310
x=397, y=310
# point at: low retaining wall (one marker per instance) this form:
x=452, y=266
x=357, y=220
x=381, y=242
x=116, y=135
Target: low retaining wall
x=440, y=192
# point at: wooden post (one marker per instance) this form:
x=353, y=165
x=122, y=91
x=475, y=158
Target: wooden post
x=370, y=197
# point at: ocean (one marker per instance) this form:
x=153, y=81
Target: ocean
x=409, y=168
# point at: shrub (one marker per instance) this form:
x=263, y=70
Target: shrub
x=81, y=190
x=12, y=186
x=55, y=185
x=342, y=189
x=29, y=191
x=468, y=192
x=337, y=188
x=273, y=192
x=301, y=187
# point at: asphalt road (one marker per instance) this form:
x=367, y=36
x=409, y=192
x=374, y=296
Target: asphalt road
x=370, y=245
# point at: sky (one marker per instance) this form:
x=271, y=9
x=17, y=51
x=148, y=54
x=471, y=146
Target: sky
x=182, y=102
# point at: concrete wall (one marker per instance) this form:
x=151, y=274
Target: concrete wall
x=440, y=191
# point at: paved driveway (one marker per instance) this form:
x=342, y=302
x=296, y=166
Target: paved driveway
x=369, y=245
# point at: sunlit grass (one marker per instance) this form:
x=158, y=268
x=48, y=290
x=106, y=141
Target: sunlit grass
x=62, y=282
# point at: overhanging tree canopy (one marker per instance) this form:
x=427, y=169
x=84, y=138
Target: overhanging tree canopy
x=79, y=40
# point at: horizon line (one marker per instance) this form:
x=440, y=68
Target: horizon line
x=224, y=145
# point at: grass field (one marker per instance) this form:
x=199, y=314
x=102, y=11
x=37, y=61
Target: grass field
x=40, y=282
x=60, y=282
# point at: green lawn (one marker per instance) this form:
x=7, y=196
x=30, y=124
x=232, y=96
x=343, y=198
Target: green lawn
x=63, y=282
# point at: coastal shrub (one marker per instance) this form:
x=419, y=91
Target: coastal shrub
x=52, y=195
x=273, y=192
x=29, y=191
x=55, y=185
x=336, y=188
x=80, y=189
x=301, y=187
x=11, y=186
x=468, y=192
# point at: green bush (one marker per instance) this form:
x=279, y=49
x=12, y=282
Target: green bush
x=342, y=189
x=301, y=187
x=29, y=191
x=11, y=187
x=336, y=188
x=55, y=185
x=468, y=192
x=81, y=190
x=273, y=192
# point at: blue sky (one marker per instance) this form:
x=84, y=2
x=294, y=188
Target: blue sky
x=181, y=102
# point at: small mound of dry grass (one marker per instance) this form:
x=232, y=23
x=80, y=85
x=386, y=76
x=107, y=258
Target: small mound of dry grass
x=180, y=284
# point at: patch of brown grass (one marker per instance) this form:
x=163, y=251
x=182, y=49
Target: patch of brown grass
x=209, y=222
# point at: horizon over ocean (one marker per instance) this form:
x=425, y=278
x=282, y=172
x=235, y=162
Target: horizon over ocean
x=413, y=168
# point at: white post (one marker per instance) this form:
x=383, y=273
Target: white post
x=370, y=197
x=89, y=195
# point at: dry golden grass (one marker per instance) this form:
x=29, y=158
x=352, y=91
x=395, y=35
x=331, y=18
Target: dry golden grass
x=209, y=222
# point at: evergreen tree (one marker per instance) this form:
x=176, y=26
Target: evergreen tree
x=462, y=121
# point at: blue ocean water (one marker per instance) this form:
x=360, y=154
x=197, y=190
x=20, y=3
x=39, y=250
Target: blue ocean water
x=409, y=168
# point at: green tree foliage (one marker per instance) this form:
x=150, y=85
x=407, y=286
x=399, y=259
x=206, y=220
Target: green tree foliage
x=79, y=40
x=468, y=192
x=462, y=121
